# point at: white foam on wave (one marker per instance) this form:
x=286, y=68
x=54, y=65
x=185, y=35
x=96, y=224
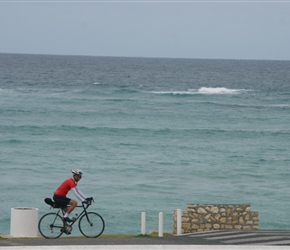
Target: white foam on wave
x=173, y=92
x=220, y=90
x=203, y=90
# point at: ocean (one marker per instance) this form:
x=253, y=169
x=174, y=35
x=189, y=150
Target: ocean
x=150, y=134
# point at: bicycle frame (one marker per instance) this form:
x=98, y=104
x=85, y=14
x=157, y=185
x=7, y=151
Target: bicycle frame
x=85, y=207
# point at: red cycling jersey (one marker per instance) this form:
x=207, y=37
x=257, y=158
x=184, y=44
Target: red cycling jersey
x=64, y=187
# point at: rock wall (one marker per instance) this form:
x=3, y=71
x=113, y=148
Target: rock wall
x=205, y=217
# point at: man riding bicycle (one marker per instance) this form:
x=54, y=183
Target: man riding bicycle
x=67, y=204
x=53, y=224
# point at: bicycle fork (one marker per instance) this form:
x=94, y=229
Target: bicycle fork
x=91, y=223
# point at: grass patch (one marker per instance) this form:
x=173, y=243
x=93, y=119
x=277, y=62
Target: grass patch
x=142, y=235
x=155, y=234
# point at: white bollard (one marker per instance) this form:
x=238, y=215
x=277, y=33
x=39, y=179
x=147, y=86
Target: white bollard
x=143, y=223
x=24, y=222
x=178, y=221
x=160, y=225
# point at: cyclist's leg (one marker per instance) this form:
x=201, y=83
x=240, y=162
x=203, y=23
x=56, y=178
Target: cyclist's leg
x=62, y=202
x=72, y=206
x=67, y=205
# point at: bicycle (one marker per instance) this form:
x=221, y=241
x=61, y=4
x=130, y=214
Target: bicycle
x=52, y=225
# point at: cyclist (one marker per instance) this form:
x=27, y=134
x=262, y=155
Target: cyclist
x=60, y=194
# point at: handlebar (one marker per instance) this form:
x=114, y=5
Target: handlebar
x=84, y=205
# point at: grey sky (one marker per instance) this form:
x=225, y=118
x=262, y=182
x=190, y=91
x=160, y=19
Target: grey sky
x=183, y=29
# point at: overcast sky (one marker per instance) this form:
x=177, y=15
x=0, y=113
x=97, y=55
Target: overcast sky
x=178, y=29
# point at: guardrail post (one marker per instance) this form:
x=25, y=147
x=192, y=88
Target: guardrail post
x=143, y=223
x=160, y=225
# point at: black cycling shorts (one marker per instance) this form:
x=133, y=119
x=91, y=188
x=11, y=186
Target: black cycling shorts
x=61, y=201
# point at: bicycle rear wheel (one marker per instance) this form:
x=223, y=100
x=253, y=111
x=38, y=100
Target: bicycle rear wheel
x=51, y=226
x=91, y=225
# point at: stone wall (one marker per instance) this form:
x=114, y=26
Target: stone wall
x=205, y=217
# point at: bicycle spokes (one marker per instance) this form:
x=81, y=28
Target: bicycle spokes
x=50, y=226
x=91, y=225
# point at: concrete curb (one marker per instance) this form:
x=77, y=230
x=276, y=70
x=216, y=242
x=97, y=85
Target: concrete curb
x=146, y=247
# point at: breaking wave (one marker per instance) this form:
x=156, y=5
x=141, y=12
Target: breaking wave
x=204, y=91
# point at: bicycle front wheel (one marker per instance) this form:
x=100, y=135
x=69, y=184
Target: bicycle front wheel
x=91, y=225
x=51, y=226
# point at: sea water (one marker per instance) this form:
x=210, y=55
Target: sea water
x=150, y=135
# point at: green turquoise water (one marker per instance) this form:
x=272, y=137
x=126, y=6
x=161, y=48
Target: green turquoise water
x=150, y=135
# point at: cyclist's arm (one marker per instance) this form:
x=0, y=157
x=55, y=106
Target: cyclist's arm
x=78, y=194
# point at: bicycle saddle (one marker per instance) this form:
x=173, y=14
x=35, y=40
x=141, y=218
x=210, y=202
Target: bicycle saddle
x=50, y=202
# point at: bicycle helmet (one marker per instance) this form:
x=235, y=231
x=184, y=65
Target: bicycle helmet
x=77, y=172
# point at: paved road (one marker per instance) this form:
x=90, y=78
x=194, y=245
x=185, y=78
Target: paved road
x=219, y=237
x=256, y=237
